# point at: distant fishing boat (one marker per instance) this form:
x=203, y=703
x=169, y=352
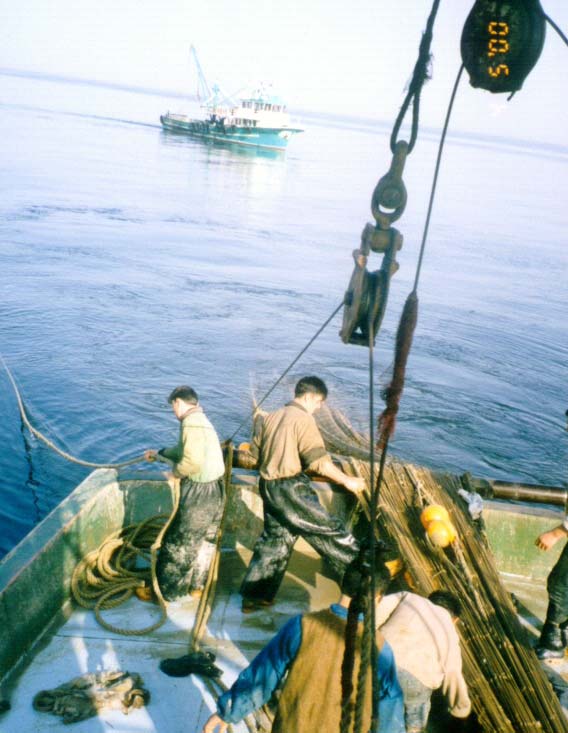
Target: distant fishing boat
x=256, y=118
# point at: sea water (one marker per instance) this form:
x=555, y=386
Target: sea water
x=133, y=260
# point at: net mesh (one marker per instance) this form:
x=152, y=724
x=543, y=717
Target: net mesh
x=509, y=689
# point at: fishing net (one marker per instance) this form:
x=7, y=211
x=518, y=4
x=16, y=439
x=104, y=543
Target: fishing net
x=509, y=689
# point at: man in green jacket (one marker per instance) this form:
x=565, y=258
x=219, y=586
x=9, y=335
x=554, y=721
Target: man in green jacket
x=189, y=543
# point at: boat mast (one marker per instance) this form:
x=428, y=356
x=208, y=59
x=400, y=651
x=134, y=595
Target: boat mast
x=203, y=91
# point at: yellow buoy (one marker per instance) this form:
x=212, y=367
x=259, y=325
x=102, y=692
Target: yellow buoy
x=244, y=446
x=394, y=566
x=434, y=511
x=441, y=533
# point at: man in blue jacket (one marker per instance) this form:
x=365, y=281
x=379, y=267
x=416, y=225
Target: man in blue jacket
x=309, y=649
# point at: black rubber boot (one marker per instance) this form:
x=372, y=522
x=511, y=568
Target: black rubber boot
x=564, y=633
x=552, y=641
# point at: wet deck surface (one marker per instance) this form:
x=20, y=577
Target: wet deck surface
x=531, y=602
x=177, y=705
x=182, y=705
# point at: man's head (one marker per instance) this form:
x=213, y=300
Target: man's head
x=182, y=399
x=310, y=392
x=447, y=600
x=360, y=569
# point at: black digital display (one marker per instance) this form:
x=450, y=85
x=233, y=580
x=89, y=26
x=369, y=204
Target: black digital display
x=501, y=42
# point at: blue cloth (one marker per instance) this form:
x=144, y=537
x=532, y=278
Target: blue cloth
x=256, y=684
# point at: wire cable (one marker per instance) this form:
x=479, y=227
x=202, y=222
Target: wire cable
x=435, y=179
x=419, y=76
x=292, y=363
x=556, y=28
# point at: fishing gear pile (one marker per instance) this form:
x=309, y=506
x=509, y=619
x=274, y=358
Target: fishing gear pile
x=85, y=696
x=509, y=689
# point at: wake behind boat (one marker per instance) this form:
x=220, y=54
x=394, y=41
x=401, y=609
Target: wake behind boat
x=257, y=118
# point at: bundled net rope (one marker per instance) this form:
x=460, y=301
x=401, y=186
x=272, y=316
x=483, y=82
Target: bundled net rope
x=509, y=689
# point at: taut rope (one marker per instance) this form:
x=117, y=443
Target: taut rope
x=50, y=443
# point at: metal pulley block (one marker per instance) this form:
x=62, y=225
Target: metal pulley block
x=389, y=197
x=367, y=293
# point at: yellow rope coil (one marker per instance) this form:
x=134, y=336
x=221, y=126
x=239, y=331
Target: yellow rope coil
x=107, y=577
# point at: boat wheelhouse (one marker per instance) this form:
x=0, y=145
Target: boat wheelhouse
x=254, y=117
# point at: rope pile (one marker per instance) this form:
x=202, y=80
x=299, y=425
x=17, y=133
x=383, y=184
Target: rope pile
x=509, y=689
x=108, y=576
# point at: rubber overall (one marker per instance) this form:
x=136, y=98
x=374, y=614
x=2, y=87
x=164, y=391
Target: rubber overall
x=554, y=636
x=189, y=543
x=291, y=510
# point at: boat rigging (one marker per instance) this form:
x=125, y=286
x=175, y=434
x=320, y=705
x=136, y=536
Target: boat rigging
x=258, y=118
x=363, y=309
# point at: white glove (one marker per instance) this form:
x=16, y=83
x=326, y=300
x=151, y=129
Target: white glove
x=474, y=502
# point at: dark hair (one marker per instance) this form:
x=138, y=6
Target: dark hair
x=359, y=569
x=447, y=600
x=311, y=385
x=185, y=393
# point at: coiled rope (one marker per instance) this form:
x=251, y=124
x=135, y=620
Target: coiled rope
x=108, y=576
x=103, y=579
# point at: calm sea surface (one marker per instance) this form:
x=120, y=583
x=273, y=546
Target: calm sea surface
x=132, y=260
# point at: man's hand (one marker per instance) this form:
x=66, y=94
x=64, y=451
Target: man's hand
x=356, y=484
x=547, y=539
x=150, y=455
x=215, y=724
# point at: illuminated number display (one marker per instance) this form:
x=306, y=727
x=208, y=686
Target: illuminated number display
x=501, y=42
x=497, y=45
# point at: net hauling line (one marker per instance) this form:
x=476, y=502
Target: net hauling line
x=50, y=443
x=107, y=577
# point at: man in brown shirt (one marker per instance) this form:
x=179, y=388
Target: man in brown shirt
x=288, y=443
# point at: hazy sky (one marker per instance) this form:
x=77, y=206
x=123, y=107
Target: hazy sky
x=346, y=57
